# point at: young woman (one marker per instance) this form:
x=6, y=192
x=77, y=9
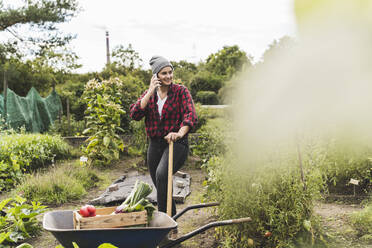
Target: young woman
x=169, y=116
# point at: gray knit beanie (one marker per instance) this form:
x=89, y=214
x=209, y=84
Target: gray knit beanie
x=158, y=62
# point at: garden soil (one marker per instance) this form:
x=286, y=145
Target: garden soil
x=190, y=221
x=333, y=215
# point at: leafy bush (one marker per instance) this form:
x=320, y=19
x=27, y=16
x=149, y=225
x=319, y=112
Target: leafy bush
x=59, y=185
x=131, y=89
x=205, y=81
x=207, y=97
x=103, y=121
x=269, y=191
x=266, y=187
x=26, y=152
x=18, y=220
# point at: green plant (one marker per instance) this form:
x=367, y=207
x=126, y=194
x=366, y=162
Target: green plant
x=271, y=192
x=21, y=153
x=347, y=160
x=4, y=125
x=64, y=128
x=9, y=174
x=227, y=61
x=213, y=139
x=103, y=121
x=64, y=183
x=138, y=146
x=205, y=81
x=264, y=185
x=362, y=221
x=18, y=219
x=205, y=113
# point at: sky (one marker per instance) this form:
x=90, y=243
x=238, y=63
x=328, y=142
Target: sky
x=178, y=30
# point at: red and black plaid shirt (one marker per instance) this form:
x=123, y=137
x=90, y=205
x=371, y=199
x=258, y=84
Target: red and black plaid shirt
x=178, y=111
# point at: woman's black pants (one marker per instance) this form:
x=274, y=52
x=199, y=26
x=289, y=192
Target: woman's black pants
x=157, y=161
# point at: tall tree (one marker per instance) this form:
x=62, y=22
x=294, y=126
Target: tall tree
x=283, y=44
x=227, y=61
x=32, y=25
x=126, y=57
x=40, y=18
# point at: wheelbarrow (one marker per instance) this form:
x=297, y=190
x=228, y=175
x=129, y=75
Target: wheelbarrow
x=60, y=224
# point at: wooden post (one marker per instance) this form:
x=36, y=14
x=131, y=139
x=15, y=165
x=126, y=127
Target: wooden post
x=5, y=96
x=68, y=114
x=170, y=179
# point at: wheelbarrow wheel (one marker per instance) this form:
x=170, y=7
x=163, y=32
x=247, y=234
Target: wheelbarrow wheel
x=170, y=238
x=173, y=234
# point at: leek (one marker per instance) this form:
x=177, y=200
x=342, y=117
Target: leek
x=136, y=201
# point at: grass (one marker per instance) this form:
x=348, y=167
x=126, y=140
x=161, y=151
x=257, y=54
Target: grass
x=362, y=221
x=63, y=183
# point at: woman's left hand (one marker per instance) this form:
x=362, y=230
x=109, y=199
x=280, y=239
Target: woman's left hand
x=172, y=136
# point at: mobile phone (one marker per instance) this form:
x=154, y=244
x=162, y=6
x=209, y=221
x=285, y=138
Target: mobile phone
x=156, y=77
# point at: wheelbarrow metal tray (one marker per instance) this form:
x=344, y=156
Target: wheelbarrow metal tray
x=60, y=224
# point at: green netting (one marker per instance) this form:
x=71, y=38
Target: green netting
x=33, y=111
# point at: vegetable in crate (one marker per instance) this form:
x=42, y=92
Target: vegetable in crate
x=87, y=211
x=136, y=201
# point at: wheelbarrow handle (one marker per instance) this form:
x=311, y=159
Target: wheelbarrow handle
x=170, y=179
x=196, y=206
x=204, y=228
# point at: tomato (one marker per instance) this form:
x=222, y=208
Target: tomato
x=91, y=210
x=267, y=234
x=84, y=211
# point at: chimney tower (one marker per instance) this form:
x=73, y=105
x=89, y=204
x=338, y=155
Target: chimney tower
x=107, y=48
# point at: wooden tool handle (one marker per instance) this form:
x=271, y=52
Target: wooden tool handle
x=170, y=179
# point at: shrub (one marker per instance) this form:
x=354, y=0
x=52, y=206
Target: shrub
x=132, y=88
x=26, y=152
x=103, y=121
x=266, y=186
x=271, y=192
x=59, y=185
x=205, y=81
x=207, y=97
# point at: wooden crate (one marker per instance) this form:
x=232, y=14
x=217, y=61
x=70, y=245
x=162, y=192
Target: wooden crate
x=104, y=219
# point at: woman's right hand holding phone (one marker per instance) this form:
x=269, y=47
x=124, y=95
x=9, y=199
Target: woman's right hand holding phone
x=154, y=83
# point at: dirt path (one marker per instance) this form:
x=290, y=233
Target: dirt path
x=334, y=219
